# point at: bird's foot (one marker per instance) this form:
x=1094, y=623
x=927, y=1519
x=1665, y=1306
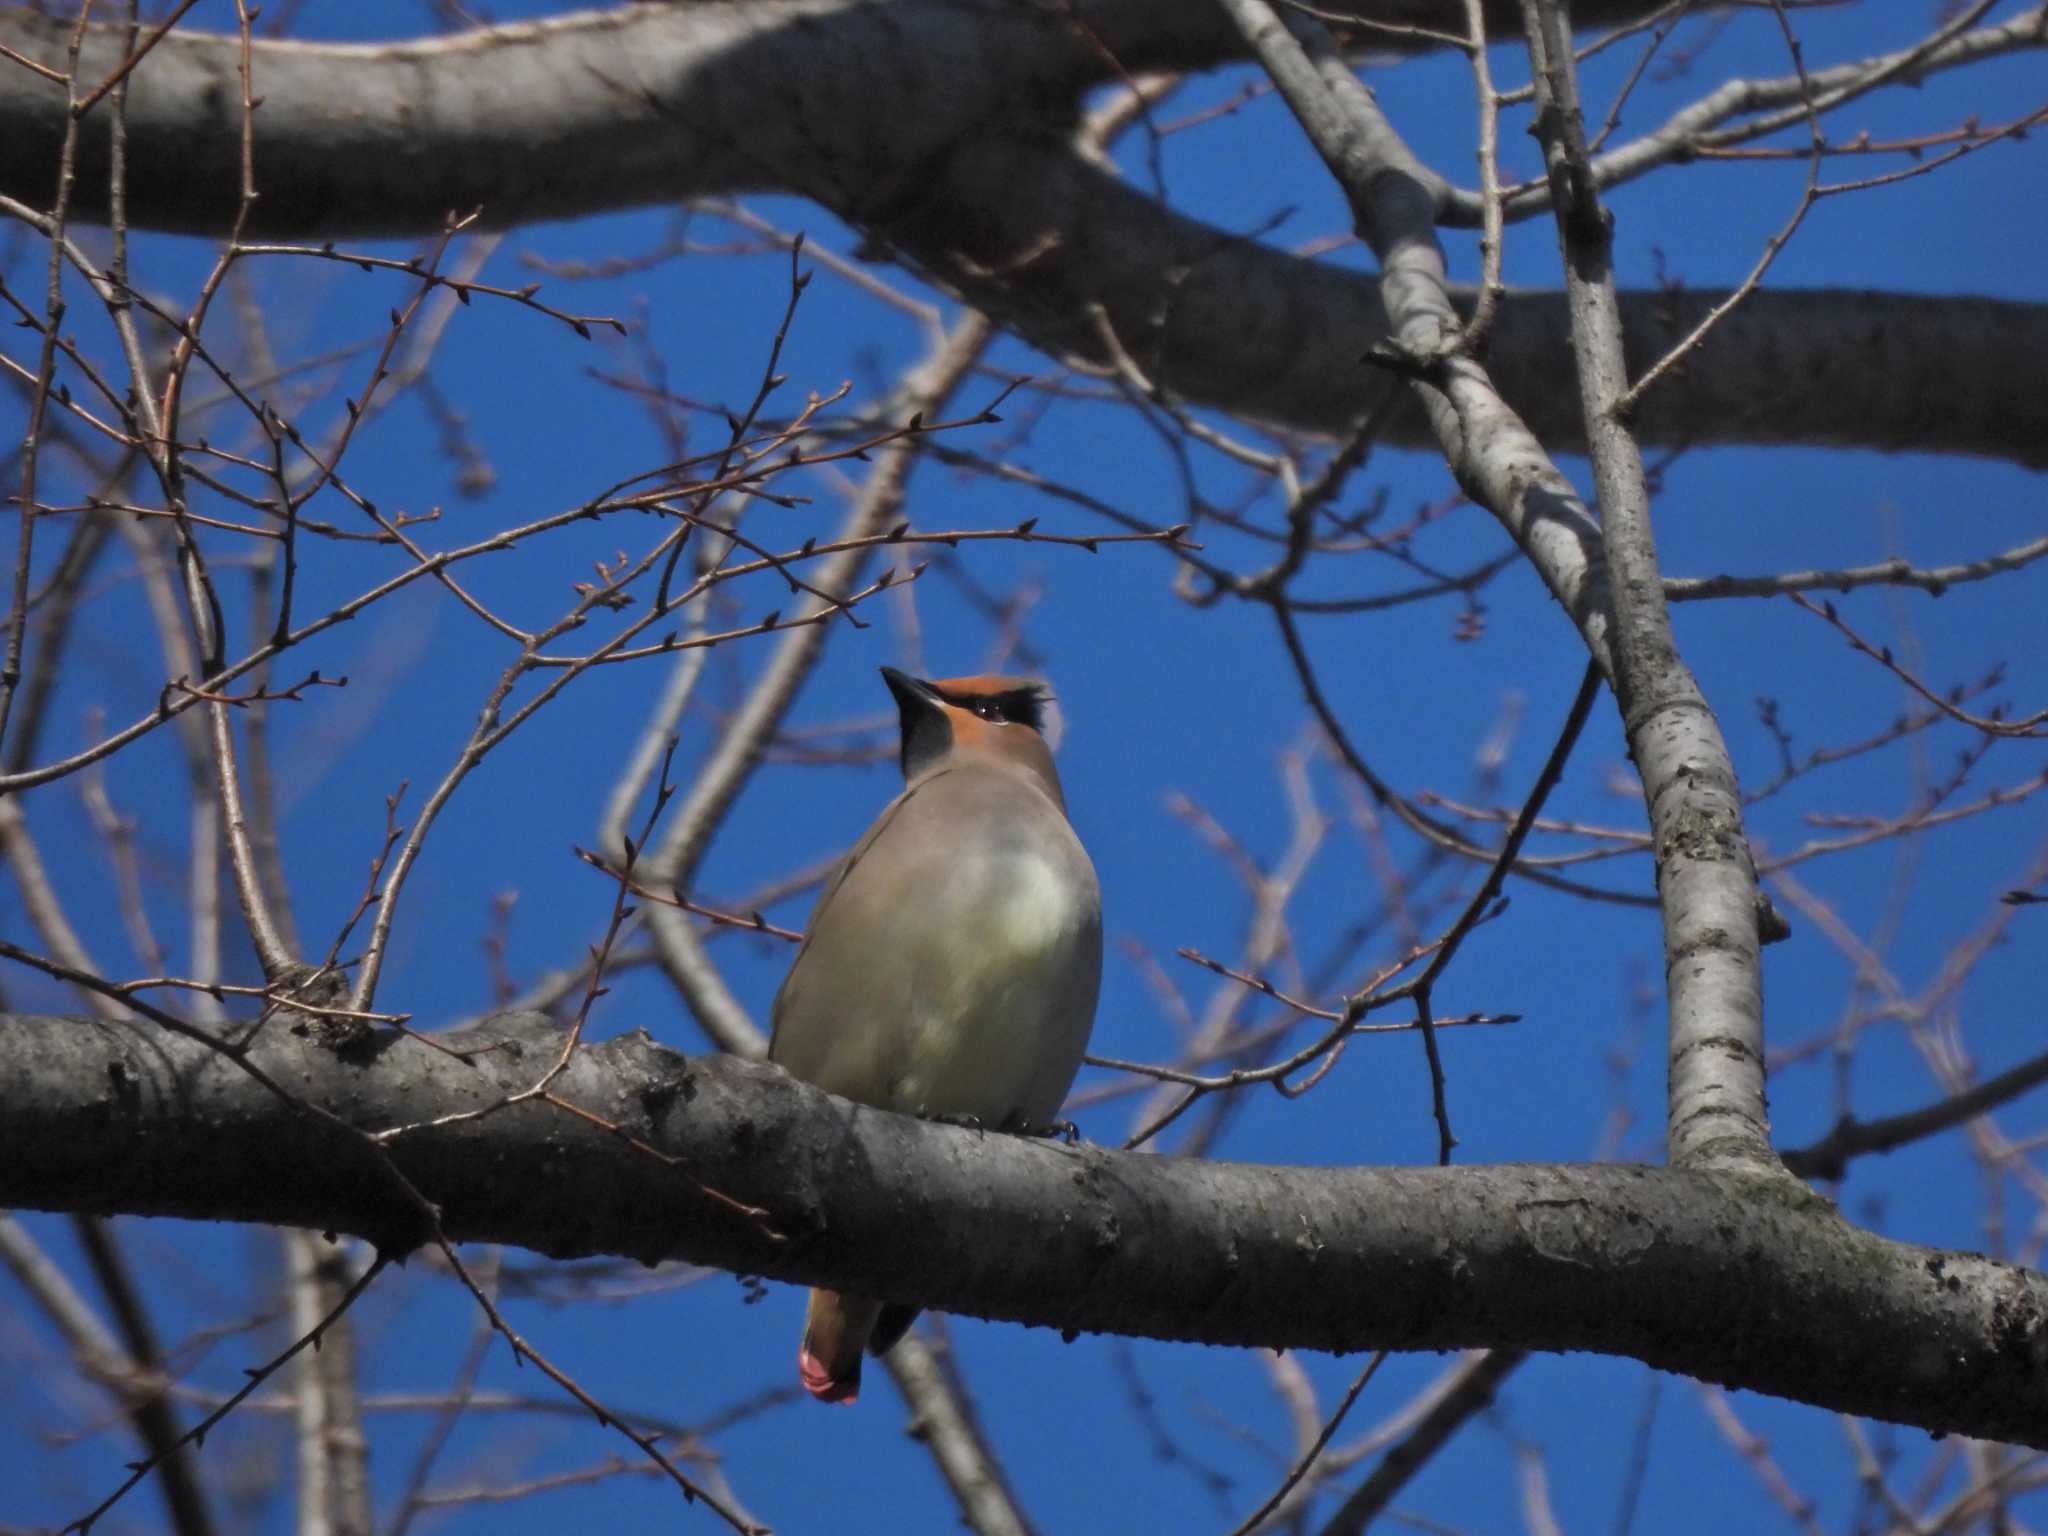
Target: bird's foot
x=1060, y=1130
x=945, y=1117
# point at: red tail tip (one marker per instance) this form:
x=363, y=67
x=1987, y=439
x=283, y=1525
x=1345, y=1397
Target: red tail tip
x=822, y=1384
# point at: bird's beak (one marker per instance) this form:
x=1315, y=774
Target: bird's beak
x=927, y=733
x=913, y=694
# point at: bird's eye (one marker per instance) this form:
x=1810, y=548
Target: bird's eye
x=988, y=709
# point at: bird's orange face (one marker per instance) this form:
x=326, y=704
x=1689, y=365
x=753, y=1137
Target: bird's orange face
x=984, y=708
x=986, y=716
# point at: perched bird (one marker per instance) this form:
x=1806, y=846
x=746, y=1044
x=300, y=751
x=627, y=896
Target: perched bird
x=951, y=964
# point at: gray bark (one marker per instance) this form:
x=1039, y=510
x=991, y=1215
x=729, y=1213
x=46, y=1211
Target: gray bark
x=1731, y=1277
x=1706, y=881
x=977, y=187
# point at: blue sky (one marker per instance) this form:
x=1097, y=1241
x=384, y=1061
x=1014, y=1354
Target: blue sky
x=1162, y=700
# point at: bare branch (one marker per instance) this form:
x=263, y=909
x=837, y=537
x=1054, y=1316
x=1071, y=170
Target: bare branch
x=1701, y=1272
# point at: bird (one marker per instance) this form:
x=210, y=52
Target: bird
x=951, y=966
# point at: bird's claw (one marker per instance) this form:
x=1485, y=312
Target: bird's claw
x=960, y=1122
x=1052, y=1130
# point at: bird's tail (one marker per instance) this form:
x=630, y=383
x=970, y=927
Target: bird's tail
x=836, y=1330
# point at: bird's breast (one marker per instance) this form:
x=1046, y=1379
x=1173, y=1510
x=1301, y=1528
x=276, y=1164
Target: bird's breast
x=1023, y=905
x=955, y=966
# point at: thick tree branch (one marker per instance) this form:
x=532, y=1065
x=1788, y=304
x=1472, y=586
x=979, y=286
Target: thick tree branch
x=1033, y=235
x=653, y=104
x=598, y=109
x=1726, y=1276
x=1706, y=879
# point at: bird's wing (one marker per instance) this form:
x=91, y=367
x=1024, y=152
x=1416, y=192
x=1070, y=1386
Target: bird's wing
x=832, y=886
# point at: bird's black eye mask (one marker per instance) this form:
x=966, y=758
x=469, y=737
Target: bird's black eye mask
x=928, y=733
x=1018, y=706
